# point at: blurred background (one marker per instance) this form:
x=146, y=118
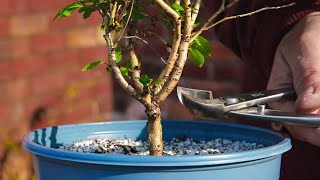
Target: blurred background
x=41, y=83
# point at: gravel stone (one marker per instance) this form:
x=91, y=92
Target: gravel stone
x=174, y=147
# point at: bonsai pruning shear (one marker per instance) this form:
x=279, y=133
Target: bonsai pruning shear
x=248, y=105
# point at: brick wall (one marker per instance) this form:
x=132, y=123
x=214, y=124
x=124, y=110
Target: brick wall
x=41, y=82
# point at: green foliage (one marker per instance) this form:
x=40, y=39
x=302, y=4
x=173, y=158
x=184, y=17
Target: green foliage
x=197, y=22
x=145, y=80
x=67, y=10
x=87, y=11
x=118, y=54
x=137, y=14
x=129, y=66
x=157, y=81
x=91, y=65
x=199, y=49
x=10, y=145
x=109, y=68
x=86, y=8
x=196, y=56
x=124, y=71
x=178, y=8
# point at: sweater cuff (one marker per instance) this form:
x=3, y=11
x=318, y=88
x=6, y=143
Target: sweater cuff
x=297, y=12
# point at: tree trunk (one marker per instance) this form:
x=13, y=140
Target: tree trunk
x=154, y=130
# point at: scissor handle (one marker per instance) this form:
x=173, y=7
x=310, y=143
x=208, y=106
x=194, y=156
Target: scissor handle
x=310, y=120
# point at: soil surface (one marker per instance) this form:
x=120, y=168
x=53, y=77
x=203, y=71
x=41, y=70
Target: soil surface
x=176, y=146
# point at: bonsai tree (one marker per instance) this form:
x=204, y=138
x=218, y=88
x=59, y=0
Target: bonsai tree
x=120, y=21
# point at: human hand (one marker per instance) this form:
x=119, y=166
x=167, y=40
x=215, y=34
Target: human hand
x=297, y=64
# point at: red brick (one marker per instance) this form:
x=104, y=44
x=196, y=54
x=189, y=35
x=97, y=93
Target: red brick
x=48, y=42
x=5, y=112
x=3, y=27
x=220, y=52
x=84, y=111
x=48, y=102
x=14, y=90
x=75, y=20
x=41, y=5
x=95, y=18
x=97, y=74
x=96, y=90
x=13, y=6
x=228, y=70
x=47, y=83
x=106, y=102
x=65, y=23
x=193, y=71
x=63, y=60
x=88, y=55
x=20, y=47
x=5, y=50
x=84, y=37
x=28, y=24
x=27, y=66
x=14, y=48
x=4, y=66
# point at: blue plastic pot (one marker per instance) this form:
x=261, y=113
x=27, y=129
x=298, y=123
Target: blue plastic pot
x=51, y=163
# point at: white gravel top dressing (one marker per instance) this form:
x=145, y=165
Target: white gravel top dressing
x=174, y=147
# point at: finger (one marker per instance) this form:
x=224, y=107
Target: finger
x=306, y=134
x=308, y=100
x=277, y=126
x=307, y=64
x=281, y=77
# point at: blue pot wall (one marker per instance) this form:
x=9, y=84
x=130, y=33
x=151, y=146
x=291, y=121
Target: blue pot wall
x=51, y=163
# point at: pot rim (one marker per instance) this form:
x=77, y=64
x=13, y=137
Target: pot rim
x=161, y=161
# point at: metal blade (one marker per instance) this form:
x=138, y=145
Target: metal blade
x=201, y=102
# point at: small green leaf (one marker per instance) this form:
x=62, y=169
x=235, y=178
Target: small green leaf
x=157, y=81
x=103, y=27
x=129, y=66
x=196, y=56
x=124, y=71
x=87, y=11
x=109, y=68
x=118, y=27
x=67, y=10
x=197, y=22
x=137, y=15
x=178, y=8
x=202, y=45
x=91, y=65
x=145, y=80
x=118, y=54
x=104, y=5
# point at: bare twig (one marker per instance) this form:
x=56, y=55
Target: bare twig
x=195, y=10
x=127, y=22
x=117, y=73
x=249, y=14
x=146, y=42
x=159, y=37
x=202, y=28
x=175, y=44
x=167, y=8
x=175, y=75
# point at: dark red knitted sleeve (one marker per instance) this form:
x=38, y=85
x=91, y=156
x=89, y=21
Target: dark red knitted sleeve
x=255, y=39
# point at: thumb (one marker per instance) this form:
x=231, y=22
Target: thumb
x=308, y=100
